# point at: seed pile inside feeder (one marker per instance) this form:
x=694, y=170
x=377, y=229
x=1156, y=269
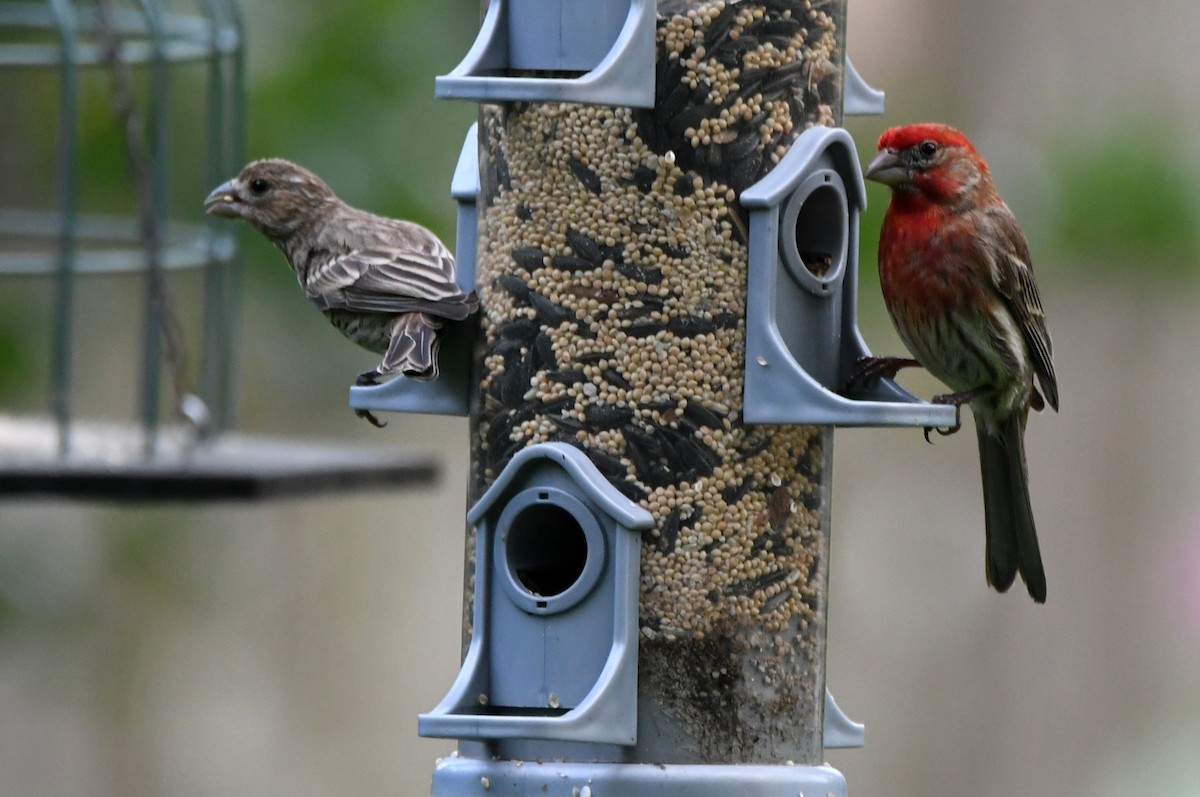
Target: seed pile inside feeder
x=612, y=277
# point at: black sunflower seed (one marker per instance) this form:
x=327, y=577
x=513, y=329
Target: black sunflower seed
x=583, y=245
x=697, y=412
x=572, y=263
x=643, y=178
x=567, y=377
x=606, y=416
x=543, y=348
x=614, y=378
x=593, y=357
x=584, y=174
x=734, y=493
x=515, y=286
x=550, y=314
x=518, y=329
x=669, y=532
x=639, y=273
x=529, y=257
x=690, y=325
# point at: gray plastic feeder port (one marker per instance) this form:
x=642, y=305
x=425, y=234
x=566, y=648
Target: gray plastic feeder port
x=591, y=51
x=553, y=652
x=802, y=338
x=449, y=393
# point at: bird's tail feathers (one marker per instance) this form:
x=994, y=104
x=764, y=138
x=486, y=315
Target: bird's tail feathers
x=1012, y=545
x=413, y=350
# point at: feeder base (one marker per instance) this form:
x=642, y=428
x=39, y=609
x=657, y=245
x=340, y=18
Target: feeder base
x=456, y=776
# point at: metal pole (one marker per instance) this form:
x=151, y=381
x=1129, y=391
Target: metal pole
x=224, y=154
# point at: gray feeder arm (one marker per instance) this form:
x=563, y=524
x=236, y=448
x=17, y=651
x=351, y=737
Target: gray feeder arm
x=518, y=38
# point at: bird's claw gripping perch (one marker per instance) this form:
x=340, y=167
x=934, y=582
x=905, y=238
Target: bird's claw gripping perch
x=370, y=418
x=365, y=379
x=869, y=370
x=949, y=430
x=956, y=400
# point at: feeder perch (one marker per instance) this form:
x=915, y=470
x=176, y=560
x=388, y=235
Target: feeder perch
x=449, y=393
x=802, y=339
x=553, y=652
x=589, y=51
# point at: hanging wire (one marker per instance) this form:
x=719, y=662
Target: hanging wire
x=68, y=177
x=146, y=161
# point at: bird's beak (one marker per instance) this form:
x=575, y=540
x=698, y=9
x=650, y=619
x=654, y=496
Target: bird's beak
x=888, y=168
x=224, y=201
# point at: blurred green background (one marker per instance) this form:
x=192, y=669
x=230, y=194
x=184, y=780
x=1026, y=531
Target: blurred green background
x=286, y=647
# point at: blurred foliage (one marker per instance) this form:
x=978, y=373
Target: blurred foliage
x=352, y=98
x=15, y=363
x=1119, y=199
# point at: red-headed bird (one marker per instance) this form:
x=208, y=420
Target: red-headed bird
x=956, y=277
x=388, y=285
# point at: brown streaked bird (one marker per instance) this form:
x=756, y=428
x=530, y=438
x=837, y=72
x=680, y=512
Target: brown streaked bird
x=958, y=282
x=386, y=284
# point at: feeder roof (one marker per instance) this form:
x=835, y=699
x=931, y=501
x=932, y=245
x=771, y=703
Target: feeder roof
x=582, y=472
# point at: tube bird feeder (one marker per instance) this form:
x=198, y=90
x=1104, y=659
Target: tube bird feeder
x=667, y=315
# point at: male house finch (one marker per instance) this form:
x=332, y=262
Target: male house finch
x=956, y=277
x=386, y=284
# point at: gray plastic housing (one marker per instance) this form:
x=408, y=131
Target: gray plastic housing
x=802, y=338
x=457, y=776
x=553, y=651
x=599, y=52
x=449, y=394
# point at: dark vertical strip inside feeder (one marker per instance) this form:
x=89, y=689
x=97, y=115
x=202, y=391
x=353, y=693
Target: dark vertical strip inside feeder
x=612, y=274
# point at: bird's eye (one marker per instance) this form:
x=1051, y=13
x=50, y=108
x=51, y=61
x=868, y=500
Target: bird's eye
x=259, y=186
x=928, y=149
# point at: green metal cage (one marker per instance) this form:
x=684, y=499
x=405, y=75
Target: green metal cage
x=180, y=444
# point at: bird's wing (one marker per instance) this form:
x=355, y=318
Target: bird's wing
x=1014, y=280
x=397, y=270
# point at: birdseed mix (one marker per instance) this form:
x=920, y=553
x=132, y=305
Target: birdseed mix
x=612, y=276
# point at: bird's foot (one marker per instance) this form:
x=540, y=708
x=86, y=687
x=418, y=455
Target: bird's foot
x=956, y=400
x=368, y=378
x=370, y=418
x=869, y=370
x=949, y=430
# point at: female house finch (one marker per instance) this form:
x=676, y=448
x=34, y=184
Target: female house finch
x=386, y=284
x=956, y=277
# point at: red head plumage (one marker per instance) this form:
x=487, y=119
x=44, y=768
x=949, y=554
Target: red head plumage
x=901, y=138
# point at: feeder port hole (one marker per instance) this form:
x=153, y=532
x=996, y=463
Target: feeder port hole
x=552, y=550
x=815, y=250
